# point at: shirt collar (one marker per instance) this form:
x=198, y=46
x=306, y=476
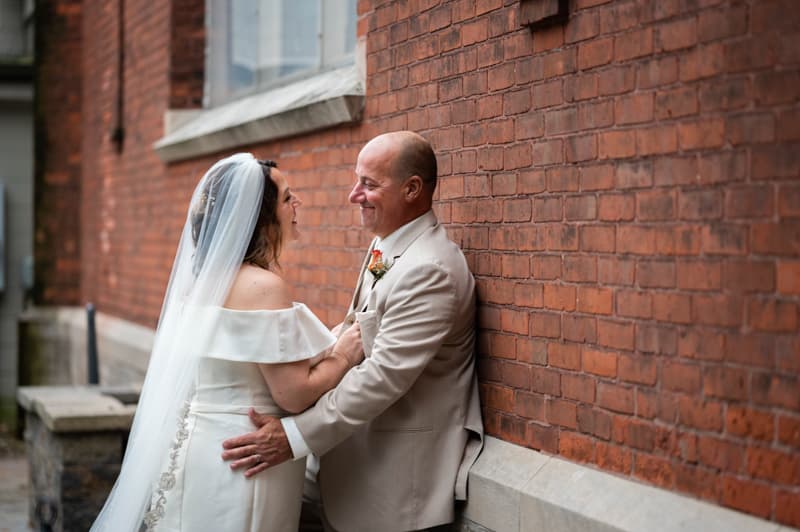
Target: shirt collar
x=386, y=245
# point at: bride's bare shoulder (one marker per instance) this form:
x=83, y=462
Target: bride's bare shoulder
x=255, y=288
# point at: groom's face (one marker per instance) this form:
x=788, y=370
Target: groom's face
x=376, y=192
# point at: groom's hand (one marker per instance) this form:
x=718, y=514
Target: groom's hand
x=256, y=451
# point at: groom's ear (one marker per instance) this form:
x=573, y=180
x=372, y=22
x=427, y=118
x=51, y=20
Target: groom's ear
x=413, y=188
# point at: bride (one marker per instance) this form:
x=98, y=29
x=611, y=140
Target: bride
x=229, y=338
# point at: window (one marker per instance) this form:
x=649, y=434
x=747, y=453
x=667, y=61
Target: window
x=256, y=45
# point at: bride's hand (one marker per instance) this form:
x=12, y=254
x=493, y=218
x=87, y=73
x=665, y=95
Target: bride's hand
x=349, y=345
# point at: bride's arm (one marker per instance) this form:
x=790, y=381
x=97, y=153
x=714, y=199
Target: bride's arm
x=296, y=385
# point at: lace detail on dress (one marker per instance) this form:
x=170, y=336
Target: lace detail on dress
x=167, y=480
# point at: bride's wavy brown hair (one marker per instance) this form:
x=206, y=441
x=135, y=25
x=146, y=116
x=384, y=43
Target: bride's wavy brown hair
x=267, y=240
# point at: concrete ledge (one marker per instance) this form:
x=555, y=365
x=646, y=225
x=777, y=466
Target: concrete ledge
x=77, y=409
x=512, y=488
x=322, y=101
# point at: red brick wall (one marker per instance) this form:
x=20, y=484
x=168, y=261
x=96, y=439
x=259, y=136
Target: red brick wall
x=625, y=187
x=57, y=130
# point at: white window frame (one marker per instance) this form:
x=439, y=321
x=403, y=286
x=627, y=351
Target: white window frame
x=325, y=98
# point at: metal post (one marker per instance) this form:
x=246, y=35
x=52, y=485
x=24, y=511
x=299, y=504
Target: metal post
x=91, y=346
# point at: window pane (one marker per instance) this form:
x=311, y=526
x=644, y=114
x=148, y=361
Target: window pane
x=258, y=44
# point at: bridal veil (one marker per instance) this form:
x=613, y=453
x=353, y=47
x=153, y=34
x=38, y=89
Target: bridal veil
x=222, y=214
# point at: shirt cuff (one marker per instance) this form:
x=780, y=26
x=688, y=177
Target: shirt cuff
x=296, y=441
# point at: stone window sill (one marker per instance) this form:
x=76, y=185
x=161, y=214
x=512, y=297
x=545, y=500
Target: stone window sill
x=326, y=100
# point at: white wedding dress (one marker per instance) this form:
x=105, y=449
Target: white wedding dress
x=198, y=491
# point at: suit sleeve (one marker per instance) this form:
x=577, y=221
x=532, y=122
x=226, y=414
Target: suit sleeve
x=419, y=314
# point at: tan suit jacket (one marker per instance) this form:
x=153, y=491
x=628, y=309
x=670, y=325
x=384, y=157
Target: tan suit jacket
x=398, y=434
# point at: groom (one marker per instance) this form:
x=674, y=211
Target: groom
x=398, y=434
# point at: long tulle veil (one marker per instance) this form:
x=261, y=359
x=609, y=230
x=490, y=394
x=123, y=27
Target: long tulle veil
x=222, y=214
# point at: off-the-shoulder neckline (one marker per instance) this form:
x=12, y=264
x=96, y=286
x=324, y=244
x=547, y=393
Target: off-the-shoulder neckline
x=295, y=306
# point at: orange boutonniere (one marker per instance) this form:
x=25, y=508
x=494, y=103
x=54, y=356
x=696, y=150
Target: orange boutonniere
x=377, y=267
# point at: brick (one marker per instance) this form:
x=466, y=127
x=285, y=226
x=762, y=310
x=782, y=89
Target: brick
x=561, y=237
x=789, y=430
x=562, y=179
x=733, y=93
x=547, y=152
x=775, y=390
x=656, y=339
x=595, y=53
x=636, y=240
x=546, y=266
x=514, y=321
x=634, y=175
x=594, y=421
x=655, y=205
x=579, y=328
x=726, y=383
x=560, y=62
x=655, y=470
x=579, y=268
x=699, y=413
x=725, y=239
x=545, y=380
x=615, y=398
x=708, y=133
x=656, y=140
x=699, y=275
x=529, y=405
x=581, y=27
x=675, y=171
x=789, y=201
x=722, y=23
x=746, y=496
x=562, y=413
x=721, y=310
x=750, y=423
x=722, y=167
x=497, y=397
x=676, y=35
x=638, y=369
x=580, y=208
x=616, y=144
x=619, y=16
x=615, y=271
x=581, y=87
x=776, y=238
x=788, y=273
x=597, y=177
x=750, y=202
x=578, y=387
x=700, y=204
x=681, y=377
x=516, y=102
x=615, y=334
x=541, y=437
x=787, y=507
x=517, y=156
x=748, y=276
x=599, y=238
x=701, y=344
x=634, y=304
x=581, y=148
x=751, y=128
x=634, y=109
x=657, y=72
x=616, y=80
x=576, y=447
x=559, y=297
x=751, y=349
x=613, y=458
x=633, y=44
x=596, y=362
x=517, y=376
x=720, y=454
x=512, y=429
x=595, y=300
x=548, y=94
x=773, y=315
x=548, y=39
x=616, y=207
x=676, y=103
x=529, y=126
x=530, y=295
x=674, y=308
x=545, y=324
x=702, y=62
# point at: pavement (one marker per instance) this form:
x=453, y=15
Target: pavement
x=14, y=485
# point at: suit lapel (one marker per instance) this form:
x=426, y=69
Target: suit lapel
x=360, y=281
x=421, y=224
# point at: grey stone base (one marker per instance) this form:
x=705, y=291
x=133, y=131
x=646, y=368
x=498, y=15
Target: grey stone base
x=514, y=489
